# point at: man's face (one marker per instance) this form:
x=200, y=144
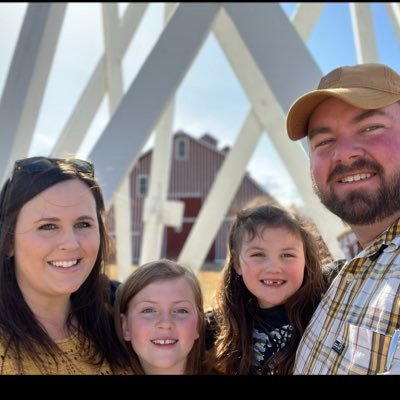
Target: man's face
x=355, y=163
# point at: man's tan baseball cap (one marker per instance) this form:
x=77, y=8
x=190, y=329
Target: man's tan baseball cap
x=365, y=86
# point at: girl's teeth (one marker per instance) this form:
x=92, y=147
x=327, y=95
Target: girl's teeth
x=164, y=341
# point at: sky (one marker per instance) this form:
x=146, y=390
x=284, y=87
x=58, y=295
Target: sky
x=209, y=100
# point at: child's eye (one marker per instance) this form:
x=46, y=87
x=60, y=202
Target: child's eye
x=288, y=255
x=148, y=310
x=47, y=227
x=181, y=311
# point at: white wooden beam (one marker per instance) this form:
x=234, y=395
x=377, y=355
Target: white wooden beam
x=113, y=54
x=271, y=78
x=123, y=230
x=89, y=102
x=114, y=84
x=305, y=17
x=393, y=10
x=363, y=33
x=148, y=95
x=27, y=79
x=158, y=211
x=130, y=21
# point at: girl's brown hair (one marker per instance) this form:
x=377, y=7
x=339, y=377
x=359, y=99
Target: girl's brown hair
x=144, y=276
x=236, y=307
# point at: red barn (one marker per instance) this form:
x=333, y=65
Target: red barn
x=194, y=164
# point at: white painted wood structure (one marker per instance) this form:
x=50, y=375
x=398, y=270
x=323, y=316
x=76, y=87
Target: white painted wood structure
x=259, y=41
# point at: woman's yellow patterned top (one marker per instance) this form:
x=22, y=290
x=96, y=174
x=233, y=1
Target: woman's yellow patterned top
x=70, y=362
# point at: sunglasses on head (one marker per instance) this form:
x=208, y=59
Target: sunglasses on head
x=40, y=164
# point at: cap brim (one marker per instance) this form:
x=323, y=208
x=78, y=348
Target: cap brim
x=301, y=110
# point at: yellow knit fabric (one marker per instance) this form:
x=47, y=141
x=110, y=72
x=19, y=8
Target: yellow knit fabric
x=70, y=362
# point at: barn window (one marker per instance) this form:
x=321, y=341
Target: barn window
x=142, y=185
x=181, y=149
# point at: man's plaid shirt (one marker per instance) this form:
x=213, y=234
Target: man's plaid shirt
x=351, y=329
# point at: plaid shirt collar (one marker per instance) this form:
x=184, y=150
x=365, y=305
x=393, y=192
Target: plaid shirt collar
x=389, y=237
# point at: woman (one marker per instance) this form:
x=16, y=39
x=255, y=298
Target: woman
x=55, y=313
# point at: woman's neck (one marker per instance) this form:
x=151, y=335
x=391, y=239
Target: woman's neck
x=52, y=314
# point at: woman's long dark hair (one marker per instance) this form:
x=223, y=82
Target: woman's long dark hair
x=236, y=307
x=90, y=304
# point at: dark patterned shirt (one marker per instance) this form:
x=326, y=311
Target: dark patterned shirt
x=270, y=336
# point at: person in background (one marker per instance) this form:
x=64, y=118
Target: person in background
x=272, y=282
x=159, y=318
x=352, y=125
x=55, y=314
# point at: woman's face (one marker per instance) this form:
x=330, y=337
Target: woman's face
x=56, y=241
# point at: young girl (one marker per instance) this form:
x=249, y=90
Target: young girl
x=272, y=282
x=159, y=318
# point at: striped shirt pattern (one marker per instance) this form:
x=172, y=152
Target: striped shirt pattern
x=351, y=329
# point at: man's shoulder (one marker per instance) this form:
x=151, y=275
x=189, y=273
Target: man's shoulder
x=330, y=270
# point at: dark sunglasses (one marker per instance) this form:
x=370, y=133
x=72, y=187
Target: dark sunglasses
x=40, y=164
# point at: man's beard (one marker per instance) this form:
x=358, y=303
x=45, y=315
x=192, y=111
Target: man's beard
x=359, y=207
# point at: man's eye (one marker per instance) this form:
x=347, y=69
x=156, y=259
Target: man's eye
x=322, y=143
x=372, y=128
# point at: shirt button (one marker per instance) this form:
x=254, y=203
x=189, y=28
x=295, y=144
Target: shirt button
x=349, y=278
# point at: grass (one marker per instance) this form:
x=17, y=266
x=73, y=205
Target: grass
x=208, y=279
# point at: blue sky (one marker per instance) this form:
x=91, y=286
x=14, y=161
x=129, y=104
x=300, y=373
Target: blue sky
x=210, y=98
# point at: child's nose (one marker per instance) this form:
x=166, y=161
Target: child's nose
x=273, y=265
x=165, y=320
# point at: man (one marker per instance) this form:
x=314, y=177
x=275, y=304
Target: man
x=352, y=122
